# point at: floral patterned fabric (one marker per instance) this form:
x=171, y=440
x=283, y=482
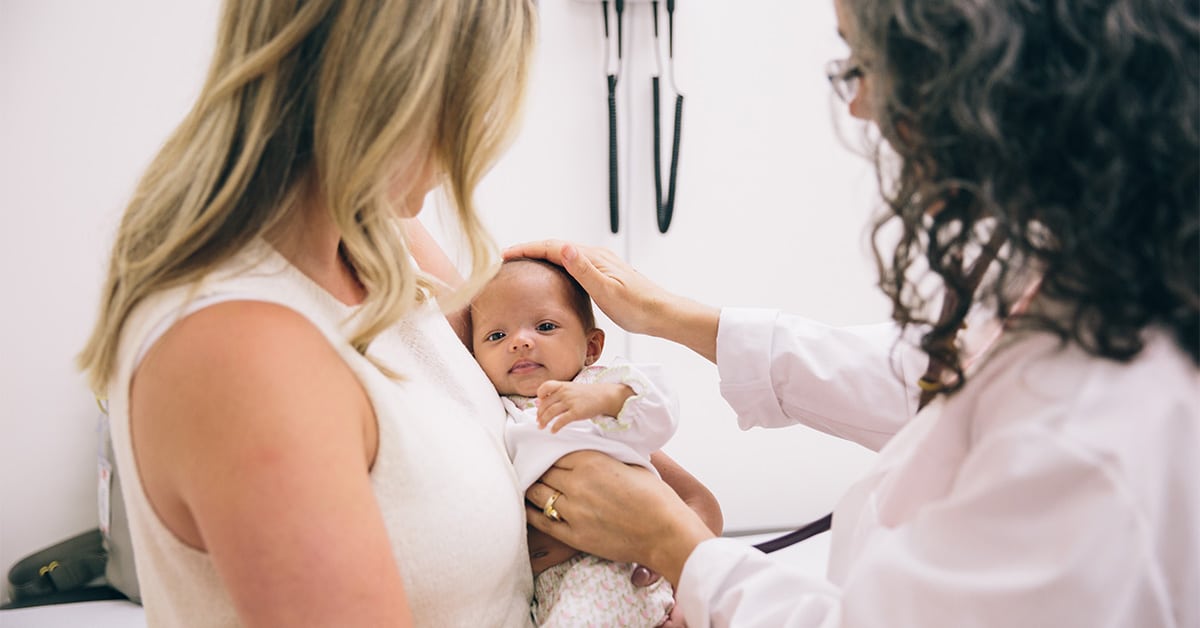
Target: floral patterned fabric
x=587, y=591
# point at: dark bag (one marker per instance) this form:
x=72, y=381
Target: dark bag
x=95, y=565
x=68, y=571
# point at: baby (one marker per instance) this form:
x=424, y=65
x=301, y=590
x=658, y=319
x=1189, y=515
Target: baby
x=534, y=334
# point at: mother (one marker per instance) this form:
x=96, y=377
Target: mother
x=304, y=440
x=1052, y=479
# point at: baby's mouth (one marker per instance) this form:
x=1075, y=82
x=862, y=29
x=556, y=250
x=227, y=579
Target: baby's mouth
x=524, y=366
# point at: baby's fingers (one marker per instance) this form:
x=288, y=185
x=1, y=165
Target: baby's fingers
x=548, y=409
x=564, y=420
x=549, y=387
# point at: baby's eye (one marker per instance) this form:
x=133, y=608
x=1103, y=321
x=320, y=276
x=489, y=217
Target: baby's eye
x=494, y=336
x=547, y=327
x=539, y=554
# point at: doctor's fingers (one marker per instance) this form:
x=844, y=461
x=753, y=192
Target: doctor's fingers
x=578, y=260
x=626, y=296
x=549, y=250
x=614, y=285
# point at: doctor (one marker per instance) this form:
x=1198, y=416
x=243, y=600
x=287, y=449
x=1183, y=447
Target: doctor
x=1053, y=479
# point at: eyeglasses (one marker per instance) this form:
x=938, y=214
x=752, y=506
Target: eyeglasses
x=845, y=75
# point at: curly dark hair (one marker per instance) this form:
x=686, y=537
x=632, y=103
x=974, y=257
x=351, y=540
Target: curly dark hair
x=1068, y=129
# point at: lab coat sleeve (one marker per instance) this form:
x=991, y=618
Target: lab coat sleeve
x=1036, y=532
x=727, y=583
x=778, y=370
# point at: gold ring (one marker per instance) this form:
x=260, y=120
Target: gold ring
x=549, y=510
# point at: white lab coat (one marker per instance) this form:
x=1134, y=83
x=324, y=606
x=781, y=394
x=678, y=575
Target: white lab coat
x=1056, y=489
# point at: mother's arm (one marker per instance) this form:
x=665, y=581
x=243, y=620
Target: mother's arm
x=254, y=441
x=690, y=490
x=434, y=261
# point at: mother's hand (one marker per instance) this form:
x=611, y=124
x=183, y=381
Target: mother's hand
x=617, y=511
x=627, y=297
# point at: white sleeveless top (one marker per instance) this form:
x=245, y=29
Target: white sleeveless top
x=461, y=566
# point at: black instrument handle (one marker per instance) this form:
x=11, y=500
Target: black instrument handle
x=614, y=205
x=668, y=209
x=654, y=85
x=665, y=208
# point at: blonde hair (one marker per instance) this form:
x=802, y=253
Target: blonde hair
x=332, y=97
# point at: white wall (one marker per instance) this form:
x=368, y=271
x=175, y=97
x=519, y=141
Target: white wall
x=770, y=212
x=88, y=91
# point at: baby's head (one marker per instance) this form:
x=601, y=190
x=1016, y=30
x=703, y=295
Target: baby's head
x=532, y=323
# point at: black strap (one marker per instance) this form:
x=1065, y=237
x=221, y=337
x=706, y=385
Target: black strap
x=791, y=538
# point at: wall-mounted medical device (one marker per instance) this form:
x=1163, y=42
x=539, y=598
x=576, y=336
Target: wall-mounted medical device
x=614, y=14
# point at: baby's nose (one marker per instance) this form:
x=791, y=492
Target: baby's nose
x=522, y=340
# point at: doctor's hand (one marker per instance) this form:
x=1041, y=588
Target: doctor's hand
x=627, y=297
x=616, y=511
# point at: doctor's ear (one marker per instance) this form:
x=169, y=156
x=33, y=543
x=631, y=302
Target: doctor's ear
x=595, y=345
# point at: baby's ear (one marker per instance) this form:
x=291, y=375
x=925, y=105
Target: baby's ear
x=595, y=345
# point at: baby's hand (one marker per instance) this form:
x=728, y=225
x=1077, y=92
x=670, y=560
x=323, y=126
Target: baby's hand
x=561, y=403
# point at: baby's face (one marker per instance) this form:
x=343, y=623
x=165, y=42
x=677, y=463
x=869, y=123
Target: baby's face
x=525, y=332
